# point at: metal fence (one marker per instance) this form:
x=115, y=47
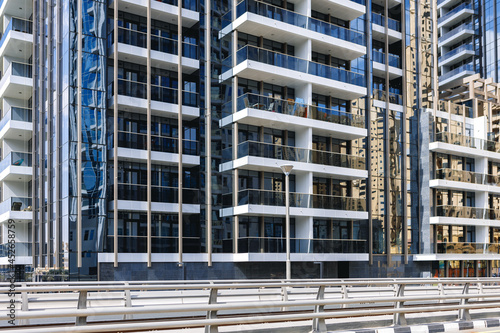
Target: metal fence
x=129, y=306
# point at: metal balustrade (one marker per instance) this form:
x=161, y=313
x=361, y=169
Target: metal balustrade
x=92, y=304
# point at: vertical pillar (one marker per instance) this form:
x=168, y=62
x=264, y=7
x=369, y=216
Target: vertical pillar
x=180, y=129
x=79, y=142
x=208, y=124
x=115, y=134
x=148, y=135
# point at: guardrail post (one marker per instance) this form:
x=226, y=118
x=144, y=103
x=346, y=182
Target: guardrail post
x=319, y=324
x=284, y=297
x=24, y=304
x=128, y=301
x=463, y=314
x=441, y=291
x=212, y=314
x=82, y=304
x=343, y=290
x=480, y=290
x=399, y=318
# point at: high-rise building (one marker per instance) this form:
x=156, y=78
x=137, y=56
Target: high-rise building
x=145, y=139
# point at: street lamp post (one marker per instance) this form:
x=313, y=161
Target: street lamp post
x=287, y=168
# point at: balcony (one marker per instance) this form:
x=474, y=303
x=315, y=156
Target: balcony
x=465, y=181
x=466, y=146
x=132, y=96
x=263, y=202
x=456, y=15
x=458, y=73
x=164, y=199
x=379, y=61
x=456, y=55
x=265, y=156
x=468, y=248
x=264, y=65
x=16, y=123
x=16, y=8
x=462, y=215
x=20, y=249
x=17, y=209
x=164, y=150
x=381, y=95
x=457, y=35
x=457, y=109
x=269, y=21
x=16, y=167
x=17, y=81
x=165, y=10
x=297, y=245
x=259, y=110
x=132, y=47
x=379, y=30
x=17, y=39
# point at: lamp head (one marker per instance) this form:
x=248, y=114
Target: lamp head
x=287, y=168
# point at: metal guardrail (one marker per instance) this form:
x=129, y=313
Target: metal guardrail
x=268, y=301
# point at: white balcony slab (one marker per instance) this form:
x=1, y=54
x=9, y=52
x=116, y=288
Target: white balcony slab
x=447, y=148
x=255, y=70
x=18, y=45
x=159, y=207
x=16, y=173
x=345, y=9
x=383, y=105
x=17, y=8
x=379, y=70
x=139, y=105
x=378, y=33
x=455, y=256
x=463, y=221
x=163, y=60
x=159, y=11
x=454, y=79
x=18, y=216
x=447, y=3
x=456, y=17
x=463, y=186
x=269, y=28
x=294, y=211
x=464, y=54
x=24, y=260
x=256, y=117
x=455, y=38
x=140, y=155
x=273, y=165
x=15, y=86
x=17, y=130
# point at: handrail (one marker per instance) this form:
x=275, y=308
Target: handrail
x=425, y=293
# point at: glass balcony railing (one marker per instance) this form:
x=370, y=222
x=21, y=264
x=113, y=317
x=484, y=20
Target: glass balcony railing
x=294, y=108
x=456, y=71
x=158, y=93
x=158, y=43
x=17, y=24
x=16, y=204
x=468, y=141
x=276, y=198
x=455, y=10
x=379, y=19
x=468, y=248
x=297, y=245
x=281, y=60
x=158, y=143
x=467, y=212
x=394, y=60
x=20, y=249
x=461, y=176
x=458, y=109
x=16, y=159
x=165, y=194
x=18, y=69
x=287, y=153
x=456, y=31
x=296, y=19
x=381, y=95
x=17, y=114
x=456, y=51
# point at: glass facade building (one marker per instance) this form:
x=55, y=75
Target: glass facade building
x=143, y=140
